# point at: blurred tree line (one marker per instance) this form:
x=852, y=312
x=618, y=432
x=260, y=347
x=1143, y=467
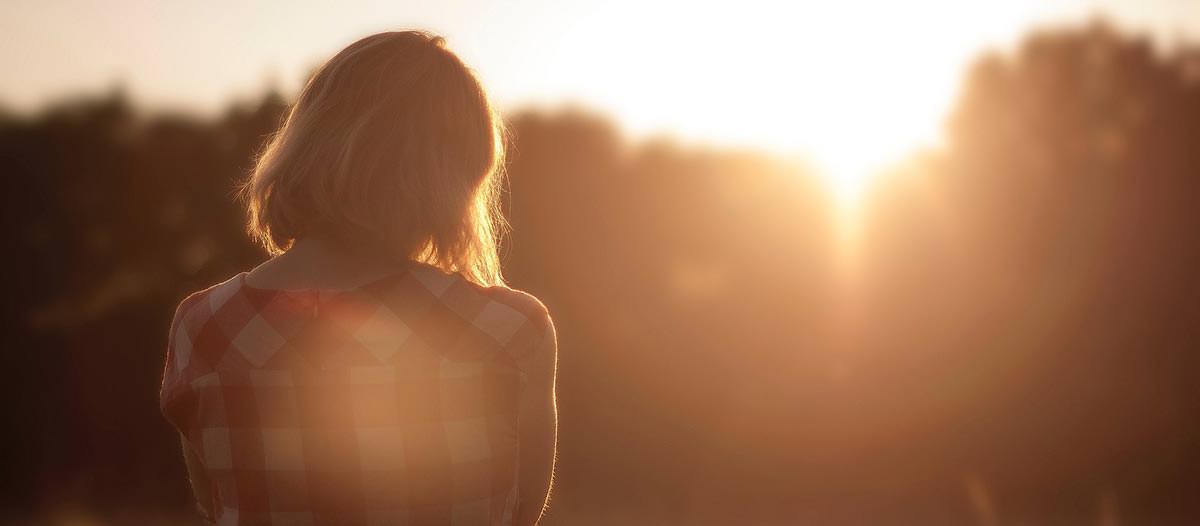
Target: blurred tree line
x=1017, y=342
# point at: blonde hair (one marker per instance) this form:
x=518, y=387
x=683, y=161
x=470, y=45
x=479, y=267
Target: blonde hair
x=392, y=149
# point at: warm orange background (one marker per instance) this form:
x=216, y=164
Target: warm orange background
x=792, y=284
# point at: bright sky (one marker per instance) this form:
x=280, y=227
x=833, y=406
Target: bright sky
x=850, y=84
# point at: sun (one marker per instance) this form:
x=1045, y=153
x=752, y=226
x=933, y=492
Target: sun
x=849, y=86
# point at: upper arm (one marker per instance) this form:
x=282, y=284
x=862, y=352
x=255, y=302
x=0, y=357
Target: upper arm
x=533, y=348
x=178, y=405
x=178, y=354
x=535, y=351
x=540, y=365
x=538, y=417
x=201, y=484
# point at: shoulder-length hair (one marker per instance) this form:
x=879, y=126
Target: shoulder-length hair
x=392, y=149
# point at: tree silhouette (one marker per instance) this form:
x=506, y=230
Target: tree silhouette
x=1021, y=330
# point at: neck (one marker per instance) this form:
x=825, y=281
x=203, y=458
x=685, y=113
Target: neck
x=321, y=263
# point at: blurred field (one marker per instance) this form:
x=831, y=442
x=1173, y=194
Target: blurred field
x=1010, y=336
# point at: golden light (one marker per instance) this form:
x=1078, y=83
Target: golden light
x=849, y=86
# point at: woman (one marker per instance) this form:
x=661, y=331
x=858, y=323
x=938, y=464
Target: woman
x=376, y=370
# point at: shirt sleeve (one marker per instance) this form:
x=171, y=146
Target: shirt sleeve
x=533, y=345
x=177, y=365
x=541, y=358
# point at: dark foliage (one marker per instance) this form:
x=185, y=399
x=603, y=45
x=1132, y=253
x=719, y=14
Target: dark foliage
x=1018, y=343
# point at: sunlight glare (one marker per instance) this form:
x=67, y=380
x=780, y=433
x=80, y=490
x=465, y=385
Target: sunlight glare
x=848, y=85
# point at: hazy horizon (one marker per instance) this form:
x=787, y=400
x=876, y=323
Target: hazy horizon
x=655, y=69
x=1000, y=330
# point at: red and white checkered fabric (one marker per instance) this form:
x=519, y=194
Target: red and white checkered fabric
x=393, y=403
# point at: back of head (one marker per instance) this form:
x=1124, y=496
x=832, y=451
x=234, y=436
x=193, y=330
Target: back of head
x=392, y=149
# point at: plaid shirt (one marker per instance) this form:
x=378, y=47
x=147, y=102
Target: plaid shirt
x=392, y=403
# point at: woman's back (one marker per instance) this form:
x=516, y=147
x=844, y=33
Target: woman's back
x=376, y=370
x=390, y=402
